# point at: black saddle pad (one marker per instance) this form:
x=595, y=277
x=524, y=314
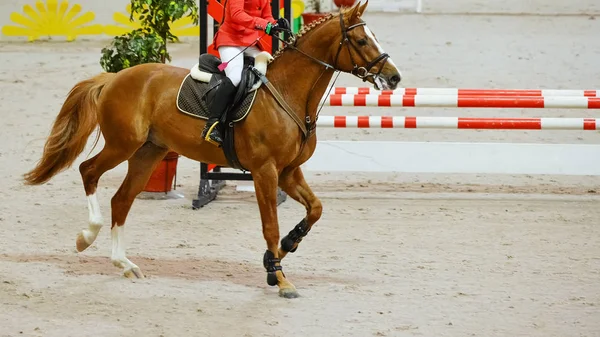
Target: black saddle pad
x=190, y=101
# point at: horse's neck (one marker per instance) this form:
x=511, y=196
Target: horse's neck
x=301, y=80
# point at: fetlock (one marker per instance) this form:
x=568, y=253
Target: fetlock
x=269, y=262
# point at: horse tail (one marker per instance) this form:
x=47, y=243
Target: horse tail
x=75, y=122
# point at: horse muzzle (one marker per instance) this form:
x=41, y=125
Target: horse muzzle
x=387, y=82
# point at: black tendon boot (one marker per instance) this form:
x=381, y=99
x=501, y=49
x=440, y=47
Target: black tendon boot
x=217, y=100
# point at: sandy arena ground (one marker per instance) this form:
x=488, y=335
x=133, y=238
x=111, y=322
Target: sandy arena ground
x=393, y=255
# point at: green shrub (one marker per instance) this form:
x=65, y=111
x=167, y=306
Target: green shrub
x=158, y=14
x=133, y=48
x=149, y=43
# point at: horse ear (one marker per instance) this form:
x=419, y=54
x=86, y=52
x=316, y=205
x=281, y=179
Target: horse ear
x=363, y=8
x=355, y=10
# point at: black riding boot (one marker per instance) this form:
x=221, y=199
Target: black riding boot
x=217, y=100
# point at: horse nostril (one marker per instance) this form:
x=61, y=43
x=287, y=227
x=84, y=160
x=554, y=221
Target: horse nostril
x=395, y=79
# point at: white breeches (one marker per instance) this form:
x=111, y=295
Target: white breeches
x=236, y=65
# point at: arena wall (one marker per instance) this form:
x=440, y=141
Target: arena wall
x=30, y=20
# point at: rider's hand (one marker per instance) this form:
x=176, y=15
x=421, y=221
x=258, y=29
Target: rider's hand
x=271, y=29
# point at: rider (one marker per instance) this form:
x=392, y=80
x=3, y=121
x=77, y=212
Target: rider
x=244, y=21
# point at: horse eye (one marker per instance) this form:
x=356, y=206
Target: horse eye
x=362, y=42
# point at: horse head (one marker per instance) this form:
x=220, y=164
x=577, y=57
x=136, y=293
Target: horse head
x=356, y=50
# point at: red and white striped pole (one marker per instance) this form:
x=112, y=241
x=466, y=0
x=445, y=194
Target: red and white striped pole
x=465, y=92
x=408, y=122
x=565, y=102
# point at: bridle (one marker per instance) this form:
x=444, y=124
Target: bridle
x=361, y=72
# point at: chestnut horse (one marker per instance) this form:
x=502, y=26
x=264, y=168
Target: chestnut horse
x=138, y=118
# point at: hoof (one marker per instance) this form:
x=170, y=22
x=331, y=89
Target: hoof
x=289, y=293
x=133, y=273
x=81, y=243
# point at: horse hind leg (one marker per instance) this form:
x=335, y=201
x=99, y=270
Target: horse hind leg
x=141, y=165
x=86, y=237
x=293, y=183
x=91, y=170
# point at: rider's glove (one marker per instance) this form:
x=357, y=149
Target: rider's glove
x=271, y=29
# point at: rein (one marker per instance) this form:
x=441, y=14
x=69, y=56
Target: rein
x=361, y=72
x=307, y=126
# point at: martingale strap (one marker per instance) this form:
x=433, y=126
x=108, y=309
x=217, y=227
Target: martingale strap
x=307, y=126
x=361, y=72
x=284, y=104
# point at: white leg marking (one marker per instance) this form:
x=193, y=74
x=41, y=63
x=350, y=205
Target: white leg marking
x=95, y=219
x=379, y=48
x=118, y=250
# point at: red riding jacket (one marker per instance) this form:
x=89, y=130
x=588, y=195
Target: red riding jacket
x=244, y=22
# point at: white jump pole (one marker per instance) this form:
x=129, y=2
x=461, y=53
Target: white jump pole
x=566, y=102
x=426, y=122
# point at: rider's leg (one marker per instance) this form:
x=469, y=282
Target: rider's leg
x=236, y=63
x=252, y=51
x=220, y=99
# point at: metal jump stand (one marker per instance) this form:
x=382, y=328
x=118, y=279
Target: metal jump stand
x=212, y=182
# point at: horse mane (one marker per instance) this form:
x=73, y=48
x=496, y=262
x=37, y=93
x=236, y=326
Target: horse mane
x=308, y=28
x=305, y=29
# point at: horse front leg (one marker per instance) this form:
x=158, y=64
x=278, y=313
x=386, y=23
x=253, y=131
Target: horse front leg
x=292, y=182
x=265, y=185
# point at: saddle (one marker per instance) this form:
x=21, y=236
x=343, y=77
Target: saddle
x=206, y=76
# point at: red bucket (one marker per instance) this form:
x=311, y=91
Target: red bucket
x=161, y=179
